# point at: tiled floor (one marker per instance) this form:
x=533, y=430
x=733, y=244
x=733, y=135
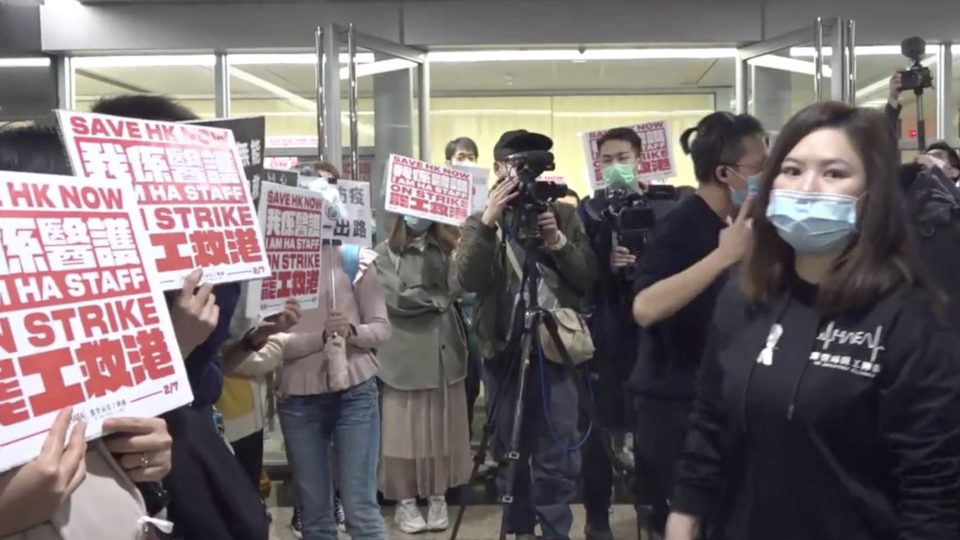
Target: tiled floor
x=479, y=523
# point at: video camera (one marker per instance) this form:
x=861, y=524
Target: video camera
x=632, y=216
x=917, y=77
x=533, y=196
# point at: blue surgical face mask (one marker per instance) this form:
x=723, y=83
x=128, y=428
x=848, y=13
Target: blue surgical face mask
x=813, y=223
x=753, y=186
x=419, y=225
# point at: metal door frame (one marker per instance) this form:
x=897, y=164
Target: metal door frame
x=327, y=42
x=843, y=63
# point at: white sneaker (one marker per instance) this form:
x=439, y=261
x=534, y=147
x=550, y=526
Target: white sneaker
x=437, y=518
x=408, y=517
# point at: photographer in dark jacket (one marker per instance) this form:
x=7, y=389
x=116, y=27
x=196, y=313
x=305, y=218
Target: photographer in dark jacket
x=549, y=463
x=611, y=324
x=681, y=272
x=829, y=401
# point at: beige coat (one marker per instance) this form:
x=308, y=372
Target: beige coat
x=106, y=506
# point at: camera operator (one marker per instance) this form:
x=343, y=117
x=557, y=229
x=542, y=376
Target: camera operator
x=611, y=324
x=682, y=270
x=549, y=433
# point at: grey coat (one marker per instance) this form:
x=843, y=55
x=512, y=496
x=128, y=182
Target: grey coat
x=429, y=339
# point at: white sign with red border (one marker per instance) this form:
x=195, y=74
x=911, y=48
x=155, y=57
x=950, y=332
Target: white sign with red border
x=420, y=189
x=83, y=322
x=656, y=157
x=291, y=219
x=191, y=188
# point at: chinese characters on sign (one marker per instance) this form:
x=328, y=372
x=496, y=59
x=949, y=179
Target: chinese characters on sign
x=190, y=184
x=291, y=220
x=656, y=159
x=420, y=189
x=82, y=323
x=354, y=225
x=249, y=134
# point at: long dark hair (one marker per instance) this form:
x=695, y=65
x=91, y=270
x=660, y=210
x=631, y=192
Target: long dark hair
x=883, y=254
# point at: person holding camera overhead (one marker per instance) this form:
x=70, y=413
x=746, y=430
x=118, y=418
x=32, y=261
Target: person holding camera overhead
x=683, y=268
x=612, y=326
x=830, y=399
x=489, y=262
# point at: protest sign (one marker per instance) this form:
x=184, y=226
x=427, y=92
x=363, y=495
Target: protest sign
x=284, y=178
x=420, y=189
x=249, y=134
x=479, y=178
x=190, y=186
x=656, y=157
x=291, y=220
x=281, y=163
x=353, y=225
x=82, y=322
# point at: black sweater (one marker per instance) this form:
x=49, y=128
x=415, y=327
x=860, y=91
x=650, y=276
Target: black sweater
x=849, y=430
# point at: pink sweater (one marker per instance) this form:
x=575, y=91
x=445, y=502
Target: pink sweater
x=305, y=366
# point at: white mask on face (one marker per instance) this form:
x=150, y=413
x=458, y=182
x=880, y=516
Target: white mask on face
x=464, y=162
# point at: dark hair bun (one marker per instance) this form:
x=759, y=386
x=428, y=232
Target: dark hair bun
x=685, y=140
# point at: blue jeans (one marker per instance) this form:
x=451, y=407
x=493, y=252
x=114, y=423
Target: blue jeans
x=310, y=425
x=548, y=471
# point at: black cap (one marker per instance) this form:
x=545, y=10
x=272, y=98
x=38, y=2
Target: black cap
x=520, y=140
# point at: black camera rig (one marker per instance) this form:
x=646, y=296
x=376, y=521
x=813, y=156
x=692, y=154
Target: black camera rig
x=533, y=196
x=632, y=215
x=917, y=78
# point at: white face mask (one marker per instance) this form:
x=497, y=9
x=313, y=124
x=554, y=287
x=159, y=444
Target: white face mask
x=464, y=163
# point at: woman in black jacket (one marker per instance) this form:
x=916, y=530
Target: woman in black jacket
x=829, y=402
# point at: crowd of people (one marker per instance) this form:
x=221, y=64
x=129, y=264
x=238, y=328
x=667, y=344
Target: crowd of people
x=782, y=345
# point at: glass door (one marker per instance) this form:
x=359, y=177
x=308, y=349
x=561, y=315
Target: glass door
x=373, y=104
x=778, y=77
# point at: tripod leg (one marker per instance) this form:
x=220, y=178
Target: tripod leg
x=513, y=452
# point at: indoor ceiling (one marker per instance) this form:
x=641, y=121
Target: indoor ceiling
x=459, y=79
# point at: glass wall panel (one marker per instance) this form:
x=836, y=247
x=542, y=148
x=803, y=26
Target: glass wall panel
x=186, y=78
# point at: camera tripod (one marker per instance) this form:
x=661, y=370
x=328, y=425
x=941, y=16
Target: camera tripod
x=533, y=316
x=921, y=122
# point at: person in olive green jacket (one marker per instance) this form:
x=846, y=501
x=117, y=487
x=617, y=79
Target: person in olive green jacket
x=569, y=268
x=426, y=441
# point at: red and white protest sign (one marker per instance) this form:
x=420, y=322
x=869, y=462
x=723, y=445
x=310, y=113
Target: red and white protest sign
x=291, y=220
x=420, y=189
x=656, y=157
x=82, y=322
x=191, y=188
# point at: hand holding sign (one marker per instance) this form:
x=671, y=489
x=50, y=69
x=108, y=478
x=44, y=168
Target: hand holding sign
x=142, y=446
x=280, y=322
x=338, y=324
x=31, y=494
x=194, y=313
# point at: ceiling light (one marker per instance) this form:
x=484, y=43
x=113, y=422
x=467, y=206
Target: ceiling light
x=792, y=65
x=863, y=50
x=24, y=62
x=291, y=59
x=203, y=60
x=376, y=68
x=534, y=55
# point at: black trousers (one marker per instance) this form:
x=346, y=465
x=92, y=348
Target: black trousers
x=660, y=431
x=249, y=452
x=597, y=474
